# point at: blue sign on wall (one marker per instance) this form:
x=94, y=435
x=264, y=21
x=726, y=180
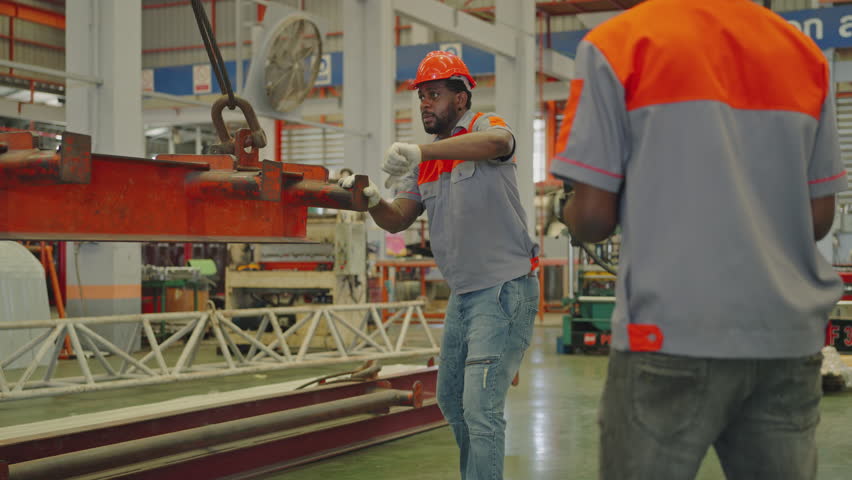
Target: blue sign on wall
x=828, y=27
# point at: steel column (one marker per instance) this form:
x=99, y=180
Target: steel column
x=369, y=29
x=515, y=92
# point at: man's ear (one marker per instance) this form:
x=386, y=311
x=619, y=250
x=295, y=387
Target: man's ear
x=461, y=100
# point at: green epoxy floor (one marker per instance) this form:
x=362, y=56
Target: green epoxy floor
x=552, y=429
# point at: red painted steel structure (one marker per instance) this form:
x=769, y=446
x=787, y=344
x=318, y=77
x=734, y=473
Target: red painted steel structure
x=32, y=14
x=573, y=7
x=74, y=194
x=264, y=455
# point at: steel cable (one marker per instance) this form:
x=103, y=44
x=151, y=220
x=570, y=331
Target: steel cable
x=213, y=52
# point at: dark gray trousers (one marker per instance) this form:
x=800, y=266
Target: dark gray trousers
x=660, y=414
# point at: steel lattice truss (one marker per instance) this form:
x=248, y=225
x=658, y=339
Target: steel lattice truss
x=370, y=338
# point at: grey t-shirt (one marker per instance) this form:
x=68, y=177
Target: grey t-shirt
x=477, y=226
x=716, y=153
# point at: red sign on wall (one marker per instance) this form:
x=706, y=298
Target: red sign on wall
x=839, y=334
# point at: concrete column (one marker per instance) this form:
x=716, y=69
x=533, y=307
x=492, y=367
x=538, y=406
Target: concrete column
x=368, y=89
x=419, y=34
x=266, y=123
x=268, y=126
x=104, y=38
x=516, y=94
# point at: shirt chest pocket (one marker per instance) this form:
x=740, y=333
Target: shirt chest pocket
x=429, y=190
x=463, y=171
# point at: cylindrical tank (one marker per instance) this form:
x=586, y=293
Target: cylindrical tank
x=23, y=296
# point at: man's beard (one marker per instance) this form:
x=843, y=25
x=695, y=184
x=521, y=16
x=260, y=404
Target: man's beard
x=439, y=125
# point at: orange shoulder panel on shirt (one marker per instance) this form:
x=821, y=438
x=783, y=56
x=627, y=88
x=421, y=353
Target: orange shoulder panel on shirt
x=739, y=53
x=496, y=121
x=569, y=114
x=431, y=170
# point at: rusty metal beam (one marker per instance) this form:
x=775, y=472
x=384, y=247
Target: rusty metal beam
x=34, y=447
x=266, y=453
x=205, y=437
x=74, y=194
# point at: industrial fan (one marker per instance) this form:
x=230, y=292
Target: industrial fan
x=283, y=70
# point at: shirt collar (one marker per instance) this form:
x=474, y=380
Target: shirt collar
x=463, y=122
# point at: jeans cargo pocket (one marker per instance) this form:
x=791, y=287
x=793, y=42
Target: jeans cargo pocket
x=484, y=360
x=667, y=393
x=485, y=363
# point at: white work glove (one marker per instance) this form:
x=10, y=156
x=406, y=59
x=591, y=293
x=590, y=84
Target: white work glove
x=371, y=191
x=399, y=160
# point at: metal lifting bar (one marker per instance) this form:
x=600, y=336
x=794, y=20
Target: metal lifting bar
x=223, y=197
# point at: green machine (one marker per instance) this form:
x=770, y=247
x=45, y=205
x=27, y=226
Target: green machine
x=586, y=326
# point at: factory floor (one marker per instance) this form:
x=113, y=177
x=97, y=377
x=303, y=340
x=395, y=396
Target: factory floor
x=552, y=429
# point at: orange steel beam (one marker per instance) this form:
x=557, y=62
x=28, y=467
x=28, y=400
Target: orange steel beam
x=32, y=14
x=74, y=194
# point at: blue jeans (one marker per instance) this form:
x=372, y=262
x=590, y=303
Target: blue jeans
x=661, y=413
x=485, y=335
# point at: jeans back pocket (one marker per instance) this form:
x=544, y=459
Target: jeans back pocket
x=667, y=393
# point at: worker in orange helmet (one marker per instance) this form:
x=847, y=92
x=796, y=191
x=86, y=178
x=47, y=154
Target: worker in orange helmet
x=466, y=181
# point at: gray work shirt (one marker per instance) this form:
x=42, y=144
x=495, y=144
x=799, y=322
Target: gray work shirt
x=717, y=143
x=477, y=226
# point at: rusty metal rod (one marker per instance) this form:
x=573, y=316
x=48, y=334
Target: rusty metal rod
x=329, y=195
x=127, y=453
x=239, y=185
x=30, y=162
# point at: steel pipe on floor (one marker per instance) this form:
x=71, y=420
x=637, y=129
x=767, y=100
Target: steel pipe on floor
x=135, y=451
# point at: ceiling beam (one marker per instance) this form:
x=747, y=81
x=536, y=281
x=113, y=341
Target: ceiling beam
x=494, y=38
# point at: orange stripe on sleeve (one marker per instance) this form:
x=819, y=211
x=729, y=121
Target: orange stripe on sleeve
x=569, y=114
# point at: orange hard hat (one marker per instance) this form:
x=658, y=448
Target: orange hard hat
x=440, y=65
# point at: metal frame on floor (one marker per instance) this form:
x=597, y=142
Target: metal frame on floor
x=245, y=436
x=372, y=339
